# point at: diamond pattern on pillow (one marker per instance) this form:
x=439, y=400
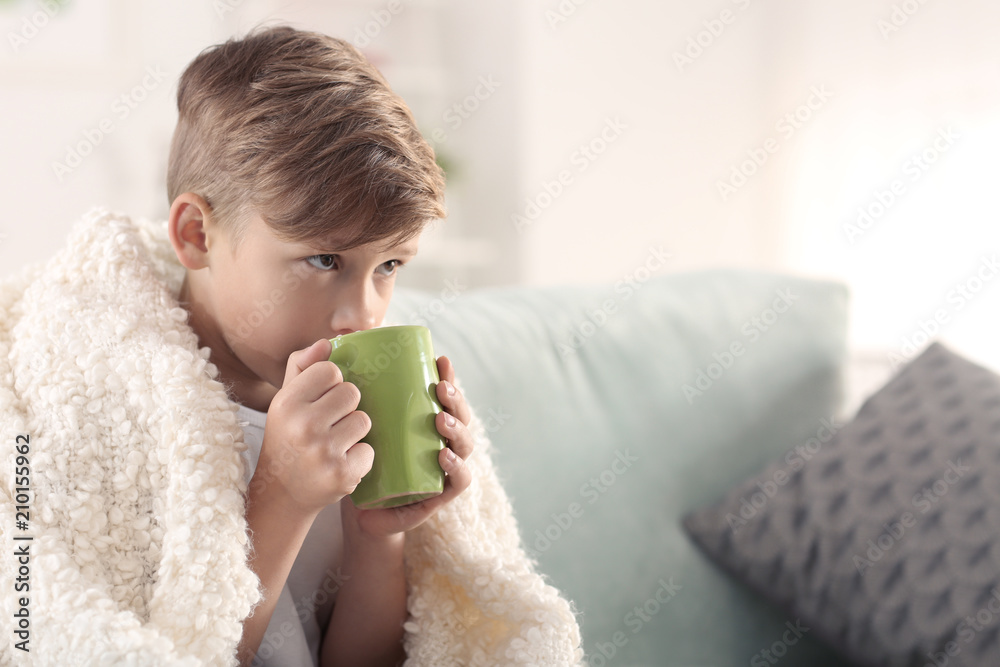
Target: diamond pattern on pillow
x=884, y=540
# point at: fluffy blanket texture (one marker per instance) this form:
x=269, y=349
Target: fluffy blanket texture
x=134, y=544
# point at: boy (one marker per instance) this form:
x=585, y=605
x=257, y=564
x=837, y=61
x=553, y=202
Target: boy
x=346, y=183
x=298, y=186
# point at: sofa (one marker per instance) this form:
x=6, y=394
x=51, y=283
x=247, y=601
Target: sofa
x=617, y=409
x=703, y=467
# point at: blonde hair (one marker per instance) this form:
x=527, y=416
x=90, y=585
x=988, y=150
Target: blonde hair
x=301, y=129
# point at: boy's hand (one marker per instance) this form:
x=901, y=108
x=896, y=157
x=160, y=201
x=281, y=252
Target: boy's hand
x=311, y=456
x=384, y=522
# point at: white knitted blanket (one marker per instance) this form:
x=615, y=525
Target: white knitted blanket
x=121, y=488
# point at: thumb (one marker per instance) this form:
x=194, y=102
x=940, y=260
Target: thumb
x=300, y=360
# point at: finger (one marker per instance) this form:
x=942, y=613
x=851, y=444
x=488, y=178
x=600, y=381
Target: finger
x=453, y=401
x=329, y=403
x=358, y=461
x=348, y=431
x=407, y=517
x=448, y=394
x=319, y=380
x=446, y=371
x=459, y=476
x=458, y=480
x=300, y=360
x=459, y=438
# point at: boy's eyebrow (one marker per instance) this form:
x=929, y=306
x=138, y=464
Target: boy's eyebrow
x=405, y=251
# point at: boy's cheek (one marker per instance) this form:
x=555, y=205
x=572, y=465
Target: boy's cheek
x=271, y=315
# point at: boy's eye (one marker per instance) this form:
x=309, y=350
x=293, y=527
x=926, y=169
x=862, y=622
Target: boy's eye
x=390, y=267
x=322, y=262
x=328, y=262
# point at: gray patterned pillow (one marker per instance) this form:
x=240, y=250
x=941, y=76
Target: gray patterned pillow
x=885, y=539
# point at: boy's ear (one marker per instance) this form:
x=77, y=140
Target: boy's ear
x=189, y=216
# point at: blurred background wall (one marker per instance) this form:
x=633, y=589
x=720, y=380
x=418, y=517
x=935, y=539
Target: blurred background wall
x=588, y=140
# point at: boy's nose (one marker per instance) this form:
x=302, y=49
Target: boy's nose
x=355, y=312
x=357, y=323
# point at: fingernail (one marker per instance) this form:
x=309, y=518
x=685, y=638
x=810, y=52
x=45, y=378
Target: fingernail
x=451, y=388
x=450, y=455
x=449, y=420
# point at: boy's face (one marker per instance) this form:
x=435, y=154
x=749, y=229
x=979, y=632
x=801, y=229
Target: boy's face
x=272, y=297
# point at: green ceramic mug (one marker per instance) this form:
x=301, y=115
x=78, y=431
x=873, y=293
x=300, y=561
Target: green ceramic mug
x=396, y=372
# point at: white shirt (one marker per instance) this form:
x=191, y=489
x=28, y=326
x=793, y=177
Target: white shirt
x=306, y=602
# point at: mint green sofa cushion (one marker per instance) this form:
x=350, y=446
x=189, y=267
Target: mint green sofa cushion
x=616, y=409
